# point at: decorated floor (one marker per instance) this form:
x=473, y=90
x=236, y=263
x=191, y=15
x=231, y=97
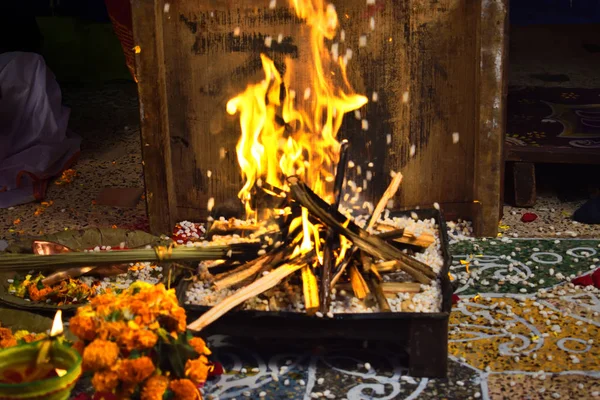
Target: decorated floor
x=519, y=331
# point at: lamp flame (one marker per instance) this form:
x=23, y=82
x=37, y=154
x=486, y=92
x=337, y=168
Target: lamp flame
x=57, y=325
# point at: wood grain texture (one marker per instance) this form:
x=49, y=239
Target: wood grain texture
x=427, y=52
x=154, y=117
x=493, y=88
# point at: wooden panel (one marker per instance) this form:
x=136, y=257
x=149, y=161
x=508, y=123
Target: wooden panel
x=435, y=58
x=493, y=88
x=154, y=118
x=425, y=51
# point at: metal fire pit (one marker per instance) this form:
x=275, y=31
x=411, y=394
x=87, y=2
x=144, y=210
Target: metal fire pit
x=424, y=335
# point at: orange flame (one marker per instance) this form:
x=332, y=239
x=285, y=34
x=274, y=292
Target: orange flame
x=282, y=135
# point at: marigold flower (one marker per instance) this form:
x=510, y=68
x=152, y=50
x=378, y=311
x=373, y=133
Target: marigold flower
x=145, y=339
x=136, y=370
x=110, y=330
x=184, y=389
x=83, y=327
x=127, y=339
x=36, y=294
x=199, y=346
x=105, y=381
x=100, y=354
x=197, y=370
x=6, y=338
x=155, y=387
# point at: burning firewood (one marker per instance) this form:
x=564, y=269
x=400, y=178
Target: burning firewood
x=257, y=287
x=330, y=239
x=224, y=228
x=359, y=285
x=245, y=271
x=310, y=290
x=371, y=244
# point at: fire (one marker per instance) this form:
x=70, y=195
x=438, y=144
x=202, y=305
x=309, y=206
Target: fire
x=283, y=135
x=57, y=325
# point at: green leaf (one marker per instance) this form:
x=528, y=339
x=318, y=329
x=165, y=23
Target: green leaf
x=173, y=356
x=114, y=316
x=135, y=354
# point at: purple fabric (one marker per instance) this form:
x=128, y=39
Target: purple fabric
x=33, y=126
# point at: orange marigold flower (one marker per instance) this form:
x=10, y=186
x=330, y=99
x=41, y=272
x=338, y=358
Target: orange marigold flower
x=6, y=338
x=197, y=370
x=184, y=389
x=100, y=354
x=83, y=327
x=200, y=346
x=145, y=339
x=137, y=370
x=179, y=315
x=31, y=337
x=155, y=387
x=105, y=381
x=110, y=330
x=127, y=338
x=5, y=333
x=39, y=294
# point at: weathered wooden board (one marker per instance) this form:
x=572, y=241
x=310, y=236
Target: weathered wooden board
x=437, y=68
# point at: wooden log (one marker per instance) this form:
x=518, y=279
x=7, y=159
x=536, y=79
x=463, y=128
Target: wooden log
x=405, y=236
x=400, y=287
x=389, y=194
x=257, y=287
x=371, y=244
x=331, y=238
x=390, y=289
x=379, y=294
x=359, y=285
x=243, y=272
x=310, y=290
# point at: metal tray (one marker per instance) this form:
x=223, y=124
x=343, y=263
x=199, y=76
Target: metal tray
x=425, y=335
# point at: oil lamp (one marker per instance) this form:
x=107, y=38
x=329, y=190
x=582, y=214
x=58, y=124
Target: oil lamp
x=47, y=368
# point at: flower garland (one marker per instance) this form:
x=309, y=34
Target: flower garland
x=136, y=345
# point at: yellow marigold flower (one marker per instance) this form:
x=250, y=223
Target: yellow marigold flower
x=200, y=346
x=155, y=387
x=105, y=381
x=197, y=370
x=83, y=327
x=184, y=389
x=137, y=370
x=100, y=354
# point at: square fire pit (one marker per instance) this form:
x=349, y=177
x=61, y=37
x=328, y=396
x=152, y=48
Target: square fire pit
x=425, y=335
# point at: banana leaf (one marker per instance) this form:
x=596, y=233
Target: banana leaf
x=79, y=240
x=76, y=240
